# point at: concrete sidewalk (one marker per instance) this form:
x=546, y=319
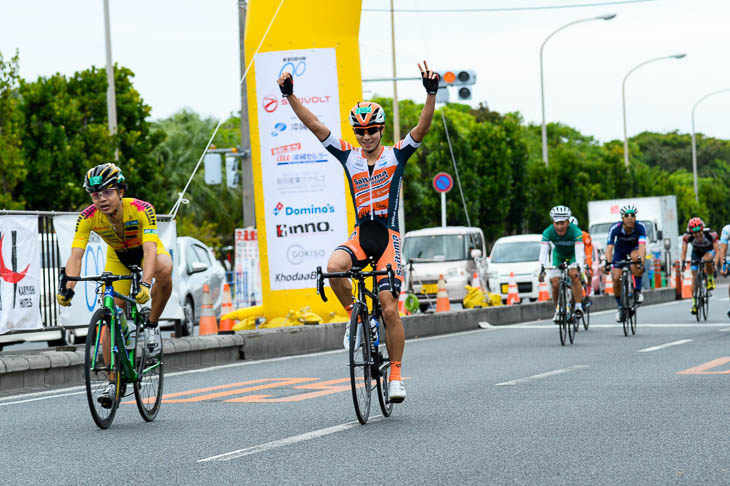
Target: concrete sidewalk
x=63, y=367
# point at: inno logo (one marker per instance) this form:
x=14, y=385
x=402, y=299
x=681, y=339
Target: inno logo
x=283, y=230
x=296, y=254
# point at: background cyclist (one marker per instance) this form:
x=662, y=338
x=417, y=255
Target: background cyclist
x=588, y=254
x=722, y=255
x=704, y=248
x=627, y=237
x=567, y=241
x=375, y=173
x=129, y=227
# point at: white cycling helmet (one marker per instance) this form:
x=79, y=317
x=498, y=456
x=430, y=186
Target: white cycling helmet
x=629, y=209
x=560, y=213
x=573, y=220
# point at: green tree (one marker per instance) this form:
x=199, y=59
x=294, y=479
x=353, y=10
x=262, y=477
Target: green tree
x=65, y=133
x=213, y=211
x=12, y=170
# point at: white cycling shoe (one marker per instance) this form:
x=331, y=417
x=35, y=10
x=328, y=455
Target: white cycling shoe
x=556, y=316
x=618, y=316
x=639, y=298
x=346, y=338
x=397, y=392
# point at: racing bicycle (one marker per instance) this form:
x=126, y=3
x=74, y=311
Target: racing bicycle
x=627, y=302
x=368, y=361
x=701, y=293
x=112, y=358
x=567, y=320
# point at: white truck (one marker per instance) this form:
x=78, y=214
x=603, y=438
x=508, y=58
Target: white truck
x=659, y=215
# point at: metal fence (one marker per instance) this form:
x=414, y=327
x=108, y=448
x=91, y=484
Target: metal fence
x=50, y=263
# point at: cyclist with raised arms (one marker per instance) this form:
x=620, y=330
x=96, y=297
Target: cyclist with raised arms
x=722, y=255
x=627, y=237
x=567, y=242
x=704, y=248
x=129, y=228
x=374, y=172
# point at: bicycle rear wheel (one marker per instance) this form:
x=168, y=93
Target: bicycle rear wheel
x=148, y=390
x=101, y=368
x=360, y=362
x=386, y=406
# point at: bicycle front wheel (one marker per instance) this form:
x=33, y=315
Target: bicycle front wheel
x=360, y=362
x=102, y=372
x=386, y=406
x=625, y=304
x=632, y=319
x=698, y=296
x=586, y=313
x=148, y=389
x=562, y=315
x=705, y=302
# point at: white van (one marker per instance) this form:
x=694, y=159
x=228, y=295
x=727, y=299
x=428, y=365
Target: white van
x=455, y=252
x=519, y=255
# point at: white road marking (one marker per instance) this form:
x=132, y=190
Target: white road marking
x=725, y=330
x=662, y=346
x=542, y=375
x=550, y=325
x=40, y=398
x=287, y=441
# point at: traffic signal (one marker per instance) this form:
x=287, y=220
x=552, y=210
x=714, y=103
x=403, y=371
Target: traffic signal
x=460, y=78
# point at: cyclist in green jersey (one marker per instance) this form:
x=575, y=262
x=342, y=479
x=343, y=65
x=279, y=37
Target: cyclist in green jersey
x=567, y=242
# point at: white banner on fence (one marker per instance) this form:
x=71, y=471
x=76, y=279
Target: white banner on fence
x=85, y=302
x=248, y=269
x=304, y=189
x=20, y=273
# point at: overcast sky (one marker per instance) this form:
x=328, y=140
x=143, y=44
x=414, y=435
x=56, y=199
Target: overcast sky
x=185, y=53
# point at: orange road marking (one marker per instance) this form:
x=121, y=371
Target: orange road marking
x=277, y=383
x=325, y=387
x=702, y=369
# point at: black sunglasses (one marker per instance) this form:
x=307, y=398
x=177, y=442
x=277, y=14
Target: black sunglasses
x=368, y=130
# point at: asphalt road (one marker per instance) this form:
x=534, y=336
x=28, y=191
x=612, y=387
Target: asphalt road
x=506, y=405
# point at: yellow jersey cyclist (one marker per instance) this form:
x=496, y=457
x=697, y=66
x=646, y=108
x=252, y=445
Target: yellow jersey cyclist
x=567, y=242
x=374, y=172
x=722, y=255
x=129, y=227
x=704, y=248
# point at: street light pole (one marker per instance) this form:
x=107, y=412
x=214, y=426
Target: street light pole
x=542, y=88
x=623, y=98
x=111, y=100
x=694, y=142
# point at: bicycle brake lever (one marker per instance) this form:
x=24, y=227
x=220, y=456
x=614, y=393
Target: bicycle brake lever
x=320, y=285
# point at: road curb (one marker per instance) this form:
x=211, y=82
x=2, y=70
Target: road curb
x=20, y=373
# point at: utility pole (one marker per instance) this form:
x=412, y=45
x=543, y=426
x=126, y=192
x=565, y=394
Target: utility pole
x=396, y=120
x=111, y=100
x=249, y=212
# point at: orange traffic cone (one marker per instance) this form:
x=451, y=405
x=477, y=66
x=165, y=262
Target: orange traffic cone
x=226, y=308
x=442, y=297
x=543, y=295
x=208, y=324
x=513, y=296
x=402, y=303
x=687, y=284
x=609, y=284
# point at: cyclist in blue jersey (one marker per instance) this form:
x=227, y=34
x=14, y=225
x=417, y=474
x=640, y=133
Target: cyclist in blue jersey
x=704, y=248
x=722, y=255
x=627, y=237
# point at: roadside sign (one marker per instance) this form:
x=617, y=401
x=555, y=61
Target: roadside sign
x=443, y=182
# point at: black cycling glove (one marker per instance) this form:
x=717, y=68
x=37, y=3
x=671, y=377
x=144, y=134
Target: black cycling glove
x=431, y=85
x=288, y=87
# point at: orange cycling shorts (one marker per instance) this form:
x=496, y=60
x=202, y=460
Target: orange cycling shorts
x=373, y=239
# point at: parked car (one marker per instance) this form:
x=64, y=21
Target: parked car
x=197, y=266
x=519, y=255
x=455, y=252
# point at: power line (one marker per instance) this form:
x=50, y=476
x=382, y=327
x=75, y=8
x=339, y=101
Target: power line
x=503, y=9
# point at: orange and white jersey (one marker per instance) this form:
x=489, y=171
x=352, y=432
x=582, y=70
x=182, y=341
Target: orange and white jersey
x=375, y=196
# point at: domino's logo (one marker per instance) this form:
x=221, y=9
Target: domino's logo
x=277, y=209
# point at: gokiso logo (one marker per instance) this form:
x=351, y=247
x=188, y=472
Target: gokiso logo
x=297, y=254
x=277, y=208
x=284, y=231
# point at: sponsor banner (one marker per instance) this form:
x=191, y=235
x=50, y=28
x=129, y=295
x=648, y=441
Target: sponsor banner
x=85, y=300
x=20, y=273
x=303, y=185
x=248, y=273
